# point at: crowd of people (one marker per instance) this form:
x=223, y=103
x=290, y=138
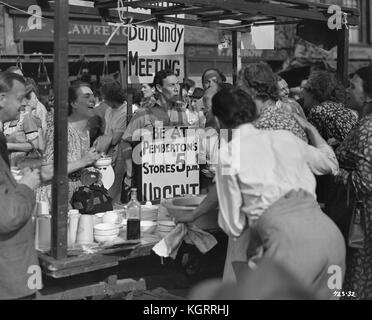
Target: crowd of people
x=279, y=177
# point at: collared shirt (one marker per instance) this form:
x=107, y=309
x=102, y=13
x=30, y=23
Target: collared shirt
x=145, y=118
x=273, y=117
x=333, y=120
x=258, y=167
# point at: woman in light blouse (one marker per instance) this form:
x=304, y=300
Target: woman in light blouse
x=266, y=191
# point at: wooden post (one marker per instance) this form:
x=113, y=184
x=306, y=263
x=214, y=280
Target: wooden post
x=60, y=180
x=237, y=62
x=123, y=74
x=343, y=55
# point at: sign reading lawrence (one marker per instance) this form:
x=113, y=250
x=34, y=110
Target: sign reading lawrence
x=153, y=49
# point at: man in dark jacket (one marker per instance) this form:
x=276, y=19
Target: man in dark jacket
x=18, y=257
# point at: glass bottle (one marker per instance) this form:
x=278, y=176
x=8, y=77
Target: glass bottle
x=134, y=217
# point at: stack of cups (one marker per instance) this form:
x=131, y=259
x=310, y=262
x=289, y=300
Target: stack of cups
x=43, y=233
x=42, y=208
x=43, y=226
x=85, y=229
x=73, y=222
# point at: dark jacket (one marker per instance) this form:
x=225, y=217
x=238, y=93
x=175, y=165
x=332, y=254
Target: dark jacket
x=17, y=245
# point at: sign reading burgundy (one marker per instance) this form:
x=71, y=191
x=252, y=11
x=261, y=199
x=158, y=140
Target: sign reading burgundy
x=153, y=49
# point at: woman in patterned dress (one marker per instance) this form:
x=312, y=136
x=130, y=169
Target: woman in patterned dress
x=79, y=155
x=355, y=158
x=324, y=102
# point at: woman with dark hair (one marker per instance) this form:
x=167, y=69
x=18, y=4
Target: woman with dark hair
x=79, y=155
x=258, y=80
x=266, y=191
x=324, y=101
x=354, y=155
x=148, y=99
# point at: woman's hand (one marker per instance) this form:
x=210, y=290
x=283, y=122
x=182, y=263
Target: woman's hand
x=47, y=172
x=90, y=157
x=31, y=178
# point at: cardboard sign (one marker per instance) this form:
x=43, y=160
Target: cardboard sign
x=170, y=164
x=153, y=49
x=260, y=38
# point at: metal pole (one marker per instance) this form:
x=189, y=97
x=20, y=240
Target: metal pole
x=237, y=61
x=60, y=180
x=343, y=55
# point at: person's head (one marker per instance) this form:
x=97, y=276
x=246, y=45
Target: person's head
x=15, y=69
x=12, y=95
x=32, y=93
x=148, y=90
x=360, y=91
x=189, y=86
x=113, y=94
x=283, y=88
x=321, y=86
x=212, y=77
x=137, y=98
x=259, y=81
x=233, y=107
x=197, y=94
x=167, y=85
x=81, y=100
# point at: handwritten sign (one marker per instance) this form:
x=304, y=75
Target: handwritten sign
x=153, y=49
x=169, y=163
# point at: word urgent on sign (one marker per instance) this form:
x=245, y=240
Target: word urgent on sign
x=170, y=165
x=151, y=49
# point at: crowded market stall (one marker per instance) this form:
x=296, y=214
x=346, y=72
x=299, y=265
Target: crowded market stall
x=62, y=262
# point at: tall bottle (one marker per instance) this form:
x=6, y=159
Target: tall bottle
x=134, y=217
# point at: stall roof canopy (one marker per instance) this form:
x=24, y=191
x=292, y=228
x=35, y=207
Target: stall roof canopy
x=241, y=14
x=214, y=13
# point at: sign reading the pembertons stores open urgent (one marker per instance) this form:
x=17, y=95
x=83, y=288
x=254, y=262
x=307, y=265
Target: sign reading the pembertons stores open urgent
x=151, y=49
x=169, y=161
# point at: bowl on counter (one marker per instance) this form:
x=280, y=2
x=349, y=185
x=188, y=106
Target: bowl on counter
x=112, y=217
x=101, y=239
x=148, y=226
x=106, y=230
x=149, y=212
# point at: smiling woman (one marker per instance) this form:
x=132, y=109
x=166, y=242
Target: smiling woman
x=81, y=103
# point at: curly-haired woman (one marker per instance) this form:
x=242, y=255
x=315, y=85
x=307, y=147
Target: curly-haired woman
x=259, y=81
